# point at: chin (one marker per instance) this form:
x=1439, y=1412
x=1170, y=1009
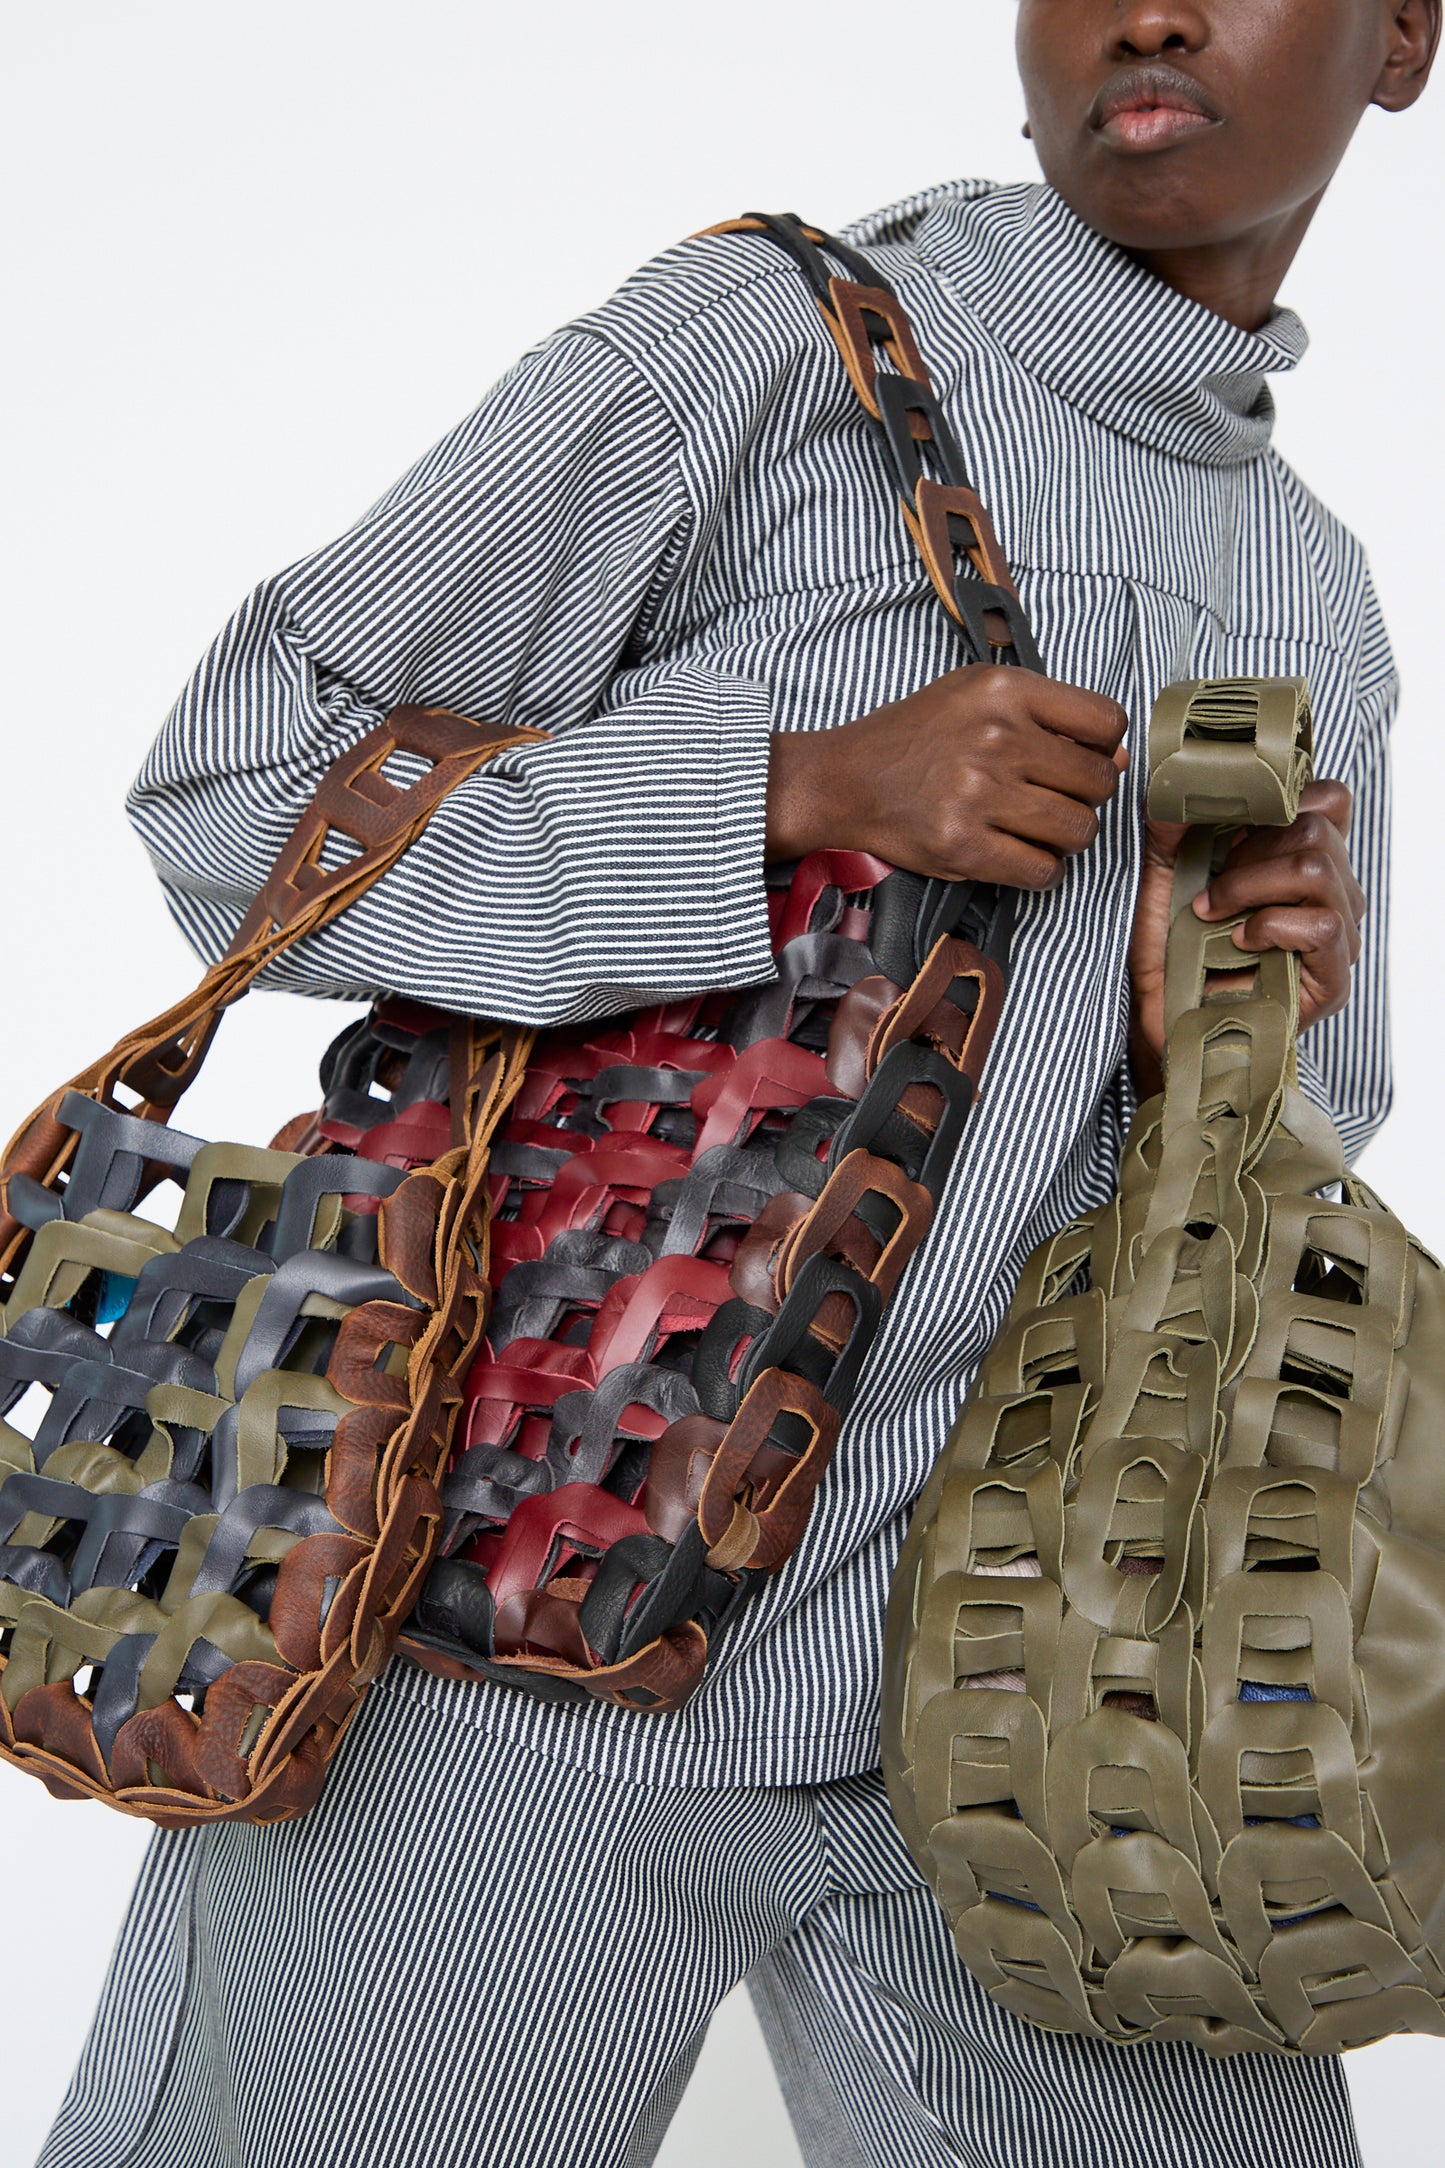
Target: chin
x=1152, y=205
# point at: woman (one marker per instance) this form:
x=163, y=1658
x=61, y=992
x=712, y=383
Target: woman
x=665, y=537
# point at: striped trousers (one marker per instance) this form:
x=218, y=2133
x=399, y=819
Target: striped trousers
x=471, y=1956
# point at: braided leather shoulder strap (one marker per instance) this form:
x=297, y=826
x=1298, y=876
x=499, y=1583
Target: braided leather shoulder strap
x=944, y=513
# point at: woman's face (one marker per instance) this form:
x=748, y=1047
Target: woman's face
x=1171, y=124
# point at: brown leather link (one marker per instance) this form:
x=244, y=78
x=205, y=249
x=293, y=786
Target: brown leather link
x=356, y=799
x=929, y=520
x=857, y=338
x=766, y=1509
x=925, y=1011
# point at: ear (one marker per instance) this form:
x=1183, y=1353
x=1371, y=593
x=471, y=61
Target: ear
x=1414, y=36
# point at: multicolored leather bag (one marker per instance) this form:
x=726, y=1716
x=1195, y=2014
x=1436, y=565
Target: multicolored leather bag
x=224, y=1506
x=700, y=1213
x=1164, y=1705
x=262, y=1418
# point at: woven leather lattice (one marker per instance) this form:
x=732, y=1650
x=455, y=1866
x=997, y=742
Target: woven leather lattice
x=1163, y=1714
x=698, y=1217
x=224, y=1497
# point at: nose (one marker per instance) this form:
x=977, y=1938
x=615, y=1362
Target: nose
x=1144, y=29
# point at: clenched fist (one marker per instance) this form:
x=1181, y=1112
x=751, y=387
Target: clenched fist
x=987, y=774
x=1300, y=891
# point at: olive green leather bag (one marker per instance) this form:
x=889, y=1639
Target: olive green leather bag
x=1164, y=1700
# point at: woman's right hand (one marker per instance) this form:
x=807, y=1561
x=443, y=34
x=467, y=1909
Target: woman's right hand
x=987, y=774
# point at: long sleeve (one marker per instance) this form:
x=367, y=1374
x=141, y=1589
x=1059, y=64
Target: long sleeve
x=504, y=577
x=1344, y=1062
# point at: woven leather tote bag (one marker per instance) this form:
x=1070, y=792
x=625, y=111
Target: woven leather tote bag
x=1164, y=1704
x=701, y=1211
x=211, y=1532
x=679, y=1233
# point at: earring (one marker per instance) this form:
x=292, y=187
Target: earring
x=1027, y=133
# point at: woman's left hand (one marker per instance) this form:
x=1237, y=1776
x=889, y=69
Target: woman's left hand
x=1300, y=891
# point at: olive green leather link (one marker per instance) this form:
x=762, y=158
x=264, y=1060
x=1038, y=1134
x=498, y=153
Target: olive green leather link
x=1164, y=1721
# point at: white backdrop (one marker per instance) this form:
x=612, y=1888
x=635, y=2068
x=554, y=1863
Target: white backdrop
x=257, y=257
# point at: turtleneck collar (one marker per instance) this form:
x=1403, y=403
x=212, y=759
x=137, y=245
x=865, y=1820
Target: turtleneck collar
x=1095, y=326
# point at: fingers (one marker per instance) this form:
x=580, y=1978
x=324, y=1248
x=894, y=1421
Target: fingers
x=1302, y=878
x=1069, y=761
x=1044, y=816
x=1332, y=798
x=1019, y=864
x=1325, y=809
x=1310, y=933
x=1088, y=718
x=984, y=774
x=1306, y=864
x=1294, y=888
x=1326, y=946
x=1073, y=770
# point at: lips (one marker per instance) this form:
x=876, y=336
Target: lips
x=1151, y=107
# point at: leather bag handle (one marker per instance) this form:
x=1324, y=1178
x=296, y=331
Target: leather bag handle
x=356, y=800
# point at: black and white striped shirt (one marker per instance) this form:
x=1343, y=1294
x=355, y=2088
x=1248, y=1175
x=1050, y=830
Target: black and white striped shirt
x=667, y=532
